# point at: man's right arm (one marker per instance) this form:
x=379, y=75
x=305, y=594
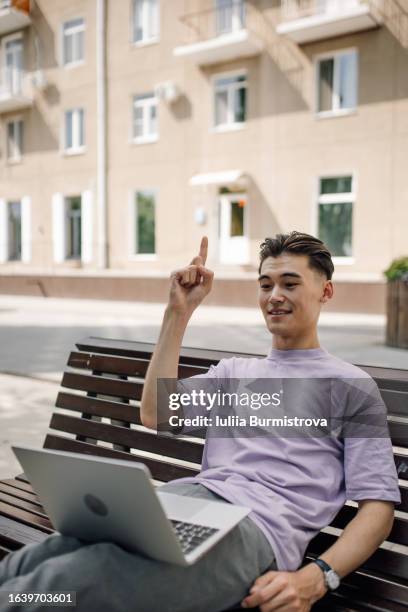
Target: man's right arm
x=188, y=288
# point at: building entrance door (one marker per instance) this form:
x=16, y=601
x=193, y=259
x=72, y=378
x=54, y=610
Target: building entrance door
x=233, y=223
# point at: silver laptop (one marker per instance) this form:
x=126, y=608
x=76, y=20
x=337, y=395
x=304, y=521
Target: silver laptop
x=97, y=499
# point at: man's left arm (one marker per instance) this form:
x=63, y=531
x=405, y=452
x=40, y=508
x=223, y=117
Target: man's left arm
x=299, y=590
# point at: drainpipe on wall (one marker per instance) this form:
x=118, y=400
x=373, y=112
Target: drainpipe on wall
x=101, y=151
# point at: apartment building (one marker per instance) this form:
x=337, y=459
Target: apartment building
x=130, y=128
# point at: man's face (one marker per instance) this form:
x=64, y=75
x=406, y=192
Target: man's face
x=291, y=295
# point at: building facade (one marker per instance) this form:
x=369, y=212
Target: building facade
x=130, y=128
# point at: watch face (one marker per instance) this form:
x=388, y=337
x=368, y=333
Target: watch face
x=332, y=579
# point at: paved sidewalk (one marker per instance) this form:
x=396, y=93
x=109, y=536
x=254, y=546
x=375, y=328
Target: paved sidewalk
x=39, y=332
x=25, y=410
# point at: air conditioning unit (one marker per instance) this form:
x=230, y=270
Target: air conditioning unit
x=39, y=80
x=167, y=91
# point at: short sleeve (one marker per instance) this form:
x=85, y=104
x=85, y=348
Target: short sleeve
x=369, y=467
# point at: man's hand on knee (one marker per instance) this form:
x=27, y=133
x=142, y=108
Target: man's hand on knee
x=286, y=591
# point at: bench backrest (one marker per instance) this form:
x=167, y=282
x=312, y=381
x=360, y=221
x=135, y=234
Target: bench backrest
x=103, y=386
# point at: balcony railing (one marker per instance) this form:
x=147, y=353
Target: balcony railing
x=14, y=15
x=309, y=20
x=219, y=33
x=299, y=9
x=229, y=16
x=15, y=89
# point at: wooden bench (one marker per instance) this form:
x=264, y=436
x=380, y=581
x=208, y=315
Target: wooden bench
x=98, y=415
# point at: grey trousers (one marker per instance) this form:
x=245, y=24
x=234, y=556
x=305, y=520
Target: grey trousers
x=106, y=578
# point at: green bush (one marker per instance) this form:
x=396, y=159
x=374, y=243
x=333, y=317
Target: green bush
x=398, y=269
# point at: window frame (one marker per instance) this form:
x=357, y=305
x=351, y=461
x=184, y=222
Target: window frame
x=236, y=125
x=74, y=63
x=145, y=102
x=335, y=198
x=133, y=239
x=19, y=157
x=75, y=149
x=335, y=111
x=144, y=41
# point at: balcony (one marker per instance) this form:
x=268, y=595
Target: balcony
x=305, y=21
x=15, y=90
x=228, y=32
x=14, y=15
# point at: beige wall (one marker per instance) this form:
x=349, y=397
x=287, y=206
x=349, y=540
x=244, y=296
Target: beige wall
x=283, y=147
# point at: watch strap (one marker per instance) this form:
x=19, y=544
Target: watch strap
x=325, y=567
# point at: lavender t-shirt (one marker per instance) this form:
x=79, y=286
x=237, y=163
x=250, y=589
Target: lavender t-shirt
x=295, y=486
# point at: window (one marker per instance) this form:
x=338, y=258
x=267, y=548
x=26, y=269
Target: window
x=230, y=101
x=15, y=140
x=74, y=131
x=73, y=35
x=73, y=227
x=14, y=231
x=13, y=63
x=145, y=21
x=230, y=15
x=145, y=240
x=337, y=83
x=335, y=214
x=145, y=125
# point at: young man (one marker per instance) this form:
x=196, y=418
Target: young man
x=294, y=486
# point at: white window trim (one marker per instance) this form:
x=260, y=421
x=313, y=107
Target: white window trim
x=74, y=150
x=348, y=196
x=153, y=40
x=234, y=125
x=18, y=158
x=132, y=255
x=335, y=112
x=146, y=138
x=75, y=63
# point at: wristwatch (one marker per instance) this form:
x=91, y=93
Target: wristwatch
x=331, y=579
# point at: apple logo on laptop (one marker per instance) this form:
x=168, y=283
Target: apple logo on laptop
x=95, y=505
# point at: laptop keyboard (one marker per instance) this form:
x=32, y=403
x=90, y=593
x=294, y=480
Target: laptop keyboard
x=191, y=535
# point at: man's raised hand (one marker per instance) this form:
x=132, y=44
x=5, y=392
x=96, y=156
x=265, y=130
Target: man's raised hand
x=191, y=284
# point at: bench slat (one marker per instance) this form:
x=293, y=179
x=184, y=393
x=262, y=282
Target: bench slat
x=99, y=407
x=373, y=590
x=26, y=517
x=160, y=470
x=396, y=401
x=150, y=442
x=19, y=484
x=9, y=489
x=24, y=505
x=398, y=433
x=13, y=532
x=111, y=364
x=104, y=386
x=144, y=350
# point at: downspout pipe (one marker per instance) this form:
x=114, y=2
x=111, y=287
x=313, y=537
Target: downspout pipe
x=101, y=124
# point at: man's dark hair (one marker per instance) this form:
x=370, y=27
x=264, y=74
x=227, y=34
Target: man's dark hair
x=299, y=244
